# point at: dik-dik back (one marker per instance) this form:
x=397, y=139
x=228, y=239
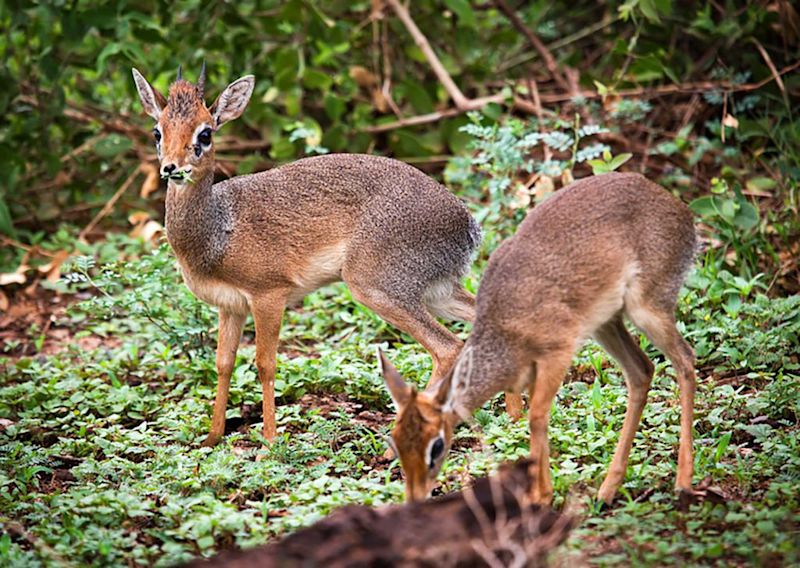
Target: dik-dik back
x=579, y=255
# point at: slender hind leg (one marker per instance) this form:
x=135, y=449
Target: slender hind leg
x=638, y=372
x=412, y=317
x=660, y=328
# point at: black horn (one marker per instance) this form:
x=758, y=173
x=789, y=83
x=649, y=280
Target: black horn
x=201, y=82
x=180, y=72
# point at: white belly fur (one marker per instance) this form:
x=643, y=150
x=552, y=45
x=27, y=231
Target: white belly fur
x=323, y=267
x=216, y=293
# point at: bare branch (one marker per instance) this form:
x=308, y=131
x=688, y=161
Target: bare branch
x=547, y=57
x=452, y=89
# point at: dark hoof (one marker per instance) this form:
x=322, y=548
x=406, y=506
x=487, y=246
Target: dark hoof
x=686, y=498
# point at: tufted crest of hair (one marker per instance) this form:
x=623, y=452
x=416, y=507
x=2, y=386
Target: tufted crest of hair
x=184, y=101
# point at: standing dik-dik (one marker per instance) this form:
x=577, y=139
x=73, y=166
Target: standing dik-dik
x=255, y=243
x=603, y=248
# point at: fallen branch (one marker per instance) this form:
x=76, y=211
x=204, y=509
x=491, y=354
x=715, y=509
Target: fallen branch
x=435, y=116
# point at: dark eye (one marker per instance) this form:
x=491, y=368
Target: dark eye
x=436, y=451
x=157, y=135
x=204, y=137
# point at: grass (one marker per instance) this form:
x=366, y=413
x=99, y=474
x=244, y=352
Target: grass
x=100, y=464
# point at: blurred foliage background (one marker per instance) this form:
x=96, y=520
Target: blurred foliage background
x=106, y=374
x=695, y=91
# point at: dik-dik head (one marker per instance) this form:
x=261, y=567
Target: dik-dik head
x=423, y=431
x=184, y=125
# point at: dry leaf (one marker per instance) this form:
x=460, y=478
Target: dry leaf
x=52, y=270
x=4, y=303
x=521, y=198
x=543, y=187
x=379, y=101
x=16, y=277
x=148, y=231
x=151, y=180
x=138, y=218
x=566, y=177
x=363, y=76
x=730, y=120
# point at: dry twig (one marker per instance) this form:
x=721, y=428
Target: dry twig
x=109, y=204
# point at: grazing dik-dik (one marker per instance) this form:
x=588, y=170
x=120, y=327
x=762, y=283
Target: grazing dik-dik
x=255, y=243
x=605, y=247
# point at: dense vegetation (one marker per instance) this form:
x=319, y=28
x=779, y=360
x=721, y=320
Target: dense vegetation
x=108, y=372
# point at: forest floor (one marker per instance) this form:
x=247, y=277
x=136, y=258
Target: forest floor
x=105, y=395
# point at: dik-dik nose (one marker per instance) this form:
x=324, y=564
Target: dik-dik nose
x=167, y=169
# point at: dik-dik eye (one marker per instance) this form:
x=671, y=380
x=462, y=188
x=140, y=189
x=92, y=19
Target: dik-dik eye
x=157, y=135
x=204, y=138
x=437, y=449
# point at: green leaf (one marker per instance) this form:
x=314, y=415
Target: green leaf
x=334, y=106
x=761, y=184
x=704, y=206
x=417, y=96
x=728, y=209
x=649, y=10
x=112, y=145
x=746, y=217
x=619, y=160
x=6, y=224
x=314, y=79
x=598, y=167
x=722, y=445
x=463, y=10
x=108, y=51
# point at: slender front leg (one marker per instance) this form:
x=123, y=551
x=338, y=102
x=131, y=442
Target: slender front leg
x=267, y=314
x=550, y=371
x=230, y=333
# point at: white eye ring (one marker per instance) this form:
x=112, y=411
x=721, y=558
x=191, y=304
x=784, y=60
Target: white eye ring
x=429, y=459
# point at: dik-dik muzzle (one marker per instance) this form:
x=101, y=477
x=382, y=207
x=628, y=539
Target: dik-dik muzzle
x=184, y=125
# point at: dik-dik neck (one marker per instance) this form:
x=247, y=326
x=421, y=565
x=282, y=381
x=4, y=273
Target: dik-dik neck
x=484, y=367
x=196, y=225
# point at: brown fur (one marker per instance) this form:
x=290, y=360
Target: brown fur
x=603, y=248
x=258, y=242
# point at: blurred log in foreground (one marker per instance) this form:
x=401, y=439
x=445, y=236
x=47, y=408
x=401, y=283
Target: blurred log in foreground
x=491, y=523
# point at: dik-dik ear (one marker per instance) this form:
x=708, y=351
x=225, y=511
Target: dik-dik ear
x=443, y=387
x=401, y=392
x=152, y=101
x=232, y=101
